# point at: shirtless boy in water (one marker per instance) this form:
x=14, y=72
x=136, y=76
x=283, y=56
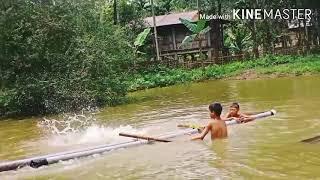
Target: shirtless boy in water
x=234, y=113
x=216, y=125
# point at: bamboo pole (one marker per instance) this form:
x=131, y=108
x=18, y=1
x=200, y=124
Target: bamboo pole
x=143, y=137
x=155, y=31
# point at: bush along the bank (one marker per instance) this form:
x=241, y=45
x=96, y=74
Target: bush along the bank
x=60, y=57
x=296, y=65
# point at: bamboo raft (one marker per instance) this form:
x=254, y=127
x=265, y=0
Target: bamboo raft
x=38, y=161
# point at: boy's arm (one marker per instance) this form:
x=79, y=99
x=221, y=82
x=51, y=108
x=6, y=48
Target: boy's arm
x=204, y=132
x=242, y=115
x=227, y=117
x=245, y=118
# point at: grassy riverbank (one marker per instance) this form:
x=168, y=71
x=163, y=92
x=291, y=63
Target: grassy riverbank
x=269, y=66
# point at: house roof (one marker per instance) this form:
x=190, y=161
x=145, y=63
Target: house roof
x=171, y=19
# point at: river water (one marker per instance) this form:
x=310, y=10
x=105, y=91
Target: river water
x=267, y=149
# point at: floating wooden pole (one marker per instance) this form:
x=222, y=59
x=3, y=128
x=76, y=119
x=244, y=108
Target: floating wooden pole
x=312, y=140
x=143, y=137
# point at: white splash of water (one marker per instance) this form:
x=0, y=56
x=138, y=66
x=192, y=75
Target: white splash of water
x=68, y=123
x=92, y=135
x=81, y=129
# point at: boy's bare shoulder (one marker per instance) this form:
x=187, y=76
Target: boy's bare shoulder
x=217, y=122
x=214, y=122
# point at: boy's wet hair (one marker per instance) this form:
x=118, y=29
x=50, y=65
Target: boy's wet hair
x=216, y=108
x=235, y=105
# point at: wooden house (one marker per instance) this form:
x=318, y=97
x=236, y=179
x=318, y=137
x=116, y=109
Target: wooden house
x=171, y=33
x=295, y=33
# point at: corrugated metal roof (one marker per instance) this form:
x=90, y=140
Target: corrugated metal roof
x=171, y=19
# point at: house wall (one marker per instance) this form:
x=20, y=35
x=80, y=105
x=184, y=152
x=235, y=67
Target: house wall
x=165, y=38
x=292, y=38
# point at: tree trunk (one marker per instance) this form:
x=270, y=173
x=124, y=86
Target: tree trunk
x=219, y=7
x=155, y=31
x=254, y=39
x=299, y=34
x=115, y=16
x=254, y=35
x=317, y=26
x=306, y=35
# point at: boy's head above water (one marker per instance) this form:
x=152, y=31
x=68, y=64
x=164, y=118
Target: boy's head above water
x=234, y=109
x=215, y=110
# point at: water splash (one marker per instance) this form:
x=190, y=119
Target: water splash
x=92, y=135
x=68, y=123
x=81, y=129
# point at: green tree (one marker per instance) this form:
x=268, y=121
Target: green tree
x=60, y=56
x=141, y=40
x=238, y=39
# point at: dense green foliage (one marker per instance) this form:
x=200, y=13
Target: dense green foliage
x=238, y=39
x=161, y=77
x=60, y=57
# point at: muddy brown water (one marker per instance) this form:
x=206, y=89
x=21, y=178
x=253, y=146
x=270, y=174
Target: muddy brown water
x=267, y=149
